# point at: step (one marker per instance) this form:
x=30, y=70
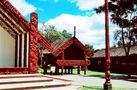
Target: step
x=34, y=85
x=24, y=80
x=20, y=75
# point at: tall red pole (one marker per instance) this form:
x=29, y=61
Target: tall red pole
x=107, y=84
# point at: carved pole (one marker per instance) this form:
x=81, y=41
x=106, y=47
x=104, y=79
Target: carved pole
x=107, y=84
x=33, y=66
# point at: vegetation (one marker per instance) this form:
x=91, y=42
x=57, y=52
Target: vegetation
x=90, y=47
x=52, y=34
x=124, y=14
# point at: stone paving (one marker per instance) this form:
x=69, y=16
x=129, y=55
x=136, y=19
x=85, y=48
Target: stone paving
x=76, y=81
x=79, y=81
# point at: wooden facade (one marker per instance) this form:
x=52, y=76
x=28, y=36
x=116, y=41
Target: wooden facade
x=120, y=63
x=19, y=39
x=67, y=54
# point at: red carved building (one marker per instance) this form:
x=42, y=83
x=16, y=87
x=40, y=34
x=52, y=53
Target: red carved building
x=18, y=41
x=67, y=54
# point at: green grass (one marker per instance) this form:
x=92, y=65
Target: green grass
x=40, y=70
x=88, y=73
x=96, y=74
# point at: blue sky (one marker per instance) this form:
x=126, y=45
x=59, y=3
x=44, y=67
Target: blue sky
x=48, y=9
x=65, y=14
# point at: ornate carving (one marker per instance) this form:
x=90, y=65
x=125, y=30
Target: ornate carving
x=33, y=52
x=63, y=47
x=73, y=63
x=25, y=25
x=33, y=43
x=13, y=70
x=34, y=19
x=17, y=13
x=44, y=42
x=68, y=43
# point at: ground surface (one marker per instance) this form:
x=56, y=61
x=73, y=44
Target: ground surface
x=95, y=80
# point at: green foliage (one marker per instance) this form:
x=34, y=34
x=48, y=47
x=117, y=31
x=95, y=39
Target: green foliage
x=124, y=14
x=90, y=47
x=65, y=34
x=52, y=34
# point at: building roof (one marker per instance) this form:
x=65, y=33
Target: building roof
x=17, y=23
x=115, y=52
x=61, y=45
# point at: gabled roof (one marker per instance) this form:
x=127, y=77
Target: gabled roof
x=10, y=13
x=15, y=14
x=66, y=43
x=44, y=42
x=115, y=52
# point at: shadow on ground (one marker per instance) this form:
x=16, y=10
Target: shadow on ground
x=124, y=77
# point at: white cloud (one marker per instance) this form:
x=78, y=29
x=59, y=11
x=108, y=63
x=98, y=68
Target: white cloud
x=24, y=7
x=89, y=29
x=87, y=4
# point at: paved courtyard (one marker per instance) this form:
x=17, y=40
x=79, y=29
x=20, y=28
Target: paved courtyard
x=79, y=81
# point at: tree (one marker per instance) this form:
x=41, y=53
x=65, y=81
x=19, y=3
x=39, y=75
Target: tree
x=124, y=14
x=51, y=34
x=90, y=47
x=66, y=34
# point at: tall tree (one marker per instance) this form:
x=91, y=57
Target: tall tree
x=90, y=47
x=51, y=33
x=66, y=34
x=124, y=14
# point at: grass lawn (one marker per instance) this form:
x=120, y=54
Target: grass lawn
x=88, y=73
x=96, y=74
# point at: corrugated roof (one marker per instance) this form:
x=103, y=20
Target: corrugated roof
x=114, y=52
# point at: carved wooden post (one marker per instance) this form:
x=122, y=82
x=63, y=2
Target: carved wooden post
x=33, y=43
x=107, y=84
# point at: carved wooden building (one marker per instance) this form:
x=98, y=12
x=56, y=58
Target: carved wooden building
x=67, y=54
x=18, y=40
x=120, y=63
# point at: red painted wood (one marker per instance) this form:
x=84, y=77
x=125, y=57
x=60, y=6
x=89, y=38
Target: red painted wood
x=44, y=42
x=107, y=84
x=33, y=44
x=13, y=70
x=2, y=13
x=73, y=63
x=32, y=27
x=14, y=13
x=71, y=41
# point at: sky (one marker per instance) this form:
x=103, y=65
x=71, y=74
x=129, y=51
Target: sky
x=65, y=14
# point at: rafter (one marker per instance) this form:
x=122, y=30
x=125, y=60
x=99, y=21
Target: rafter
x=7, y=28
x=12, y=12
x=9, y=23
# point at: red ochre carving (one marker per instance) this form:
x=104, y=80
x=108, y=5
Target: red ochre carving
x=73, y=63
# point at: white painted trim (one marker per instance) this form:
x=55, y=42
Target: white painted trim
x=22, y=49
x=27, y=50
